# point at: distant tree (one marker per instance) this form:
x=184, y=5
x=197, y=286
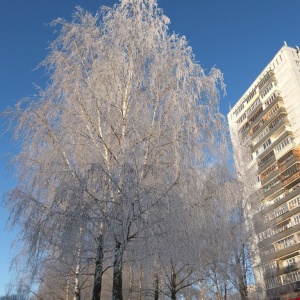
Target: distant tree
x=13, y=297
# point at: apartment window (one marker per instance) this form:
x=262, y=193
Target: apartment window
x=279, y=197
x=296, y=219
x=258, y=125
x=290, y=171
x=256, y=115
x=271, y=184
x=273, y=110
x=290, y=277
x=261, y=135
x=285, y=158
x=244, y=128
x=272, y=265
x=265, y=80
x=239, y=109
x=283, y=226
x=269, y=250
x=241, y=119
x=294, y=188
x=286, y=242
x=283, y=144
x=290, y=261
x=276, y=121
x=264, y=146
x=267, y=90
x=273, y=282
x=269, y=171
x=295, y=202
x=280, y=210
x=253, y=106
x=250, y=96
x=264, y=160
x=271, y=99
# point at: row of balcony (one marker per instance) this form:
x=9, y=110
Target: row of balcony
x=283, y=265
x=279, y=231
x=260, y=89
x=283, y=247
x=250, y=118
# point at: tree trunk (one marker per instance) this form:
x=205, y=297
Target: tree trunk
x=173, y=283
x=68, y=288
x=130, y=283
x=156, y=281
x=201, y=289
x=117, y=273
x=98, y=270
x=77, y=288
x=218, y=294
x=140, y=283
x=77, y=270
x=242, y=278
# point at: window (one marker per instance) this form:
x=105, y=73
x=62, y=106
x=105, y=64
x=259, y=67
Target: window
x=272, y=265
x=290, y=277
x=290, y=171
x=282, y=144
x=272, y=110
x=280, y=210
x=267, y=90
x=279, y=197
x=269, y=171
x=273, y=282
x=296, y=219
x=271, y=99
x=290, y=261
x=241, y=119
x=269, y=250
x=239, y=109
x=283, y=226
x=271, y=184
x=253, y=106
x=258, y=125
x=244, y=128
x=285, y=158
x=294, y=188
x=295, y=202
x=256, y=115
x=261, y=135
x=264, y=160
x=250, y=96
x=265, y=79
x=286, y=242
x=276, y=121
x=264, y=146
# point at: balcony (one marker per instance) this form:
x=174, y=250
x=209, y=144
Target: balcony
x=288, y=159
x=280, y=234
x=266, y=161
x=273, y=132
x=269, y=177
x=288, y=180
x=279, y=253
x=266, y=80
x=284, y=290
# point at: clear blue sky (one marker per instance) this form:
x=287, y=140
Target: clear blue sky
x=237, y=36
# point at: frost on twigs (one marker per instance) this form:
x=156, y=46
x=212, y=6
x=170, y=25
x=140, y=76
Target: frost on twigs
x=127, y=122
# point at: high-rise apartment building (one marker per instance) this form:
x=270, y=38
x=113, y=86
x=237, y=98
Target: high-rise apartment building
x=265, y=127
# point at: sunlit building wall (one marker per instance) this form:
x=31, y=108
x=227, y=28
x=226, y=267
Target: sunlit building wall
x=265, y=126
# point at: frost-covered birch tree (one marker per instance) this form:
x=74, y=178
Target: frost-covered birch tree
x=127, y=119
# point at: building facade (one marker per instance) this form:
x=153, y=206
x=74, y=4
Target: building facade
x=265, y=127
